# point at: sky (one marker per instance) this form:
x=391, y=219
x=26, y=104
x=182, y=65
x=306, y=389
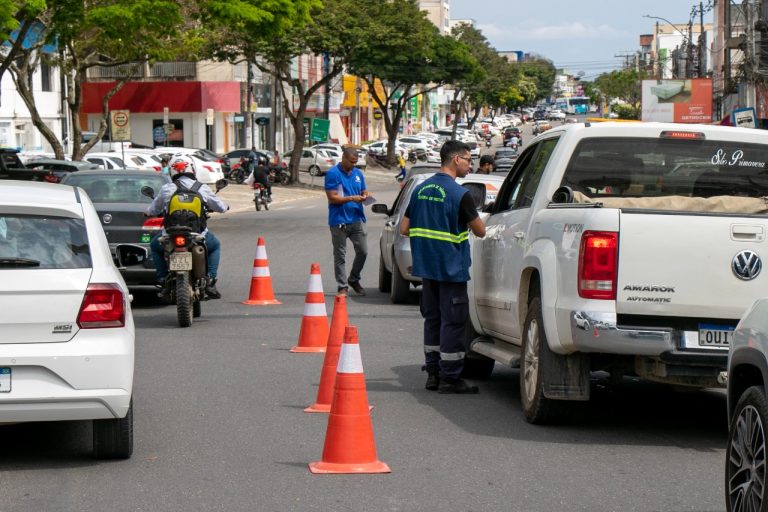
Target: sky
x=591, y=37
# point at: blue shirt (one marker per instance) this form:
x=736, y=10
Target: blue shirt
x=351, y=184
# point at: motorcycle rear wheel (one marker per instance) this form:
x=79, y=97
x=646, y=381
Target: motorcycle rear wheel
x=265, y=200
x=184, y=308
x=257, y=202
x=285, y=179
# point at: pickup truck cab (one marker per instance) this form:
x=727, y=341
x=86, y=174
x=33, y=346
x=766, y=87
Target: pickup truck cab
x=12, y=168
x=626, y=248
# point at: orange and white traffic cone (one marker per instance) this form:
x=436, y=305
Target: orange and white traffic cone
x=349, y=443
x=261, y=293
x=313, y=334
x=339, y=322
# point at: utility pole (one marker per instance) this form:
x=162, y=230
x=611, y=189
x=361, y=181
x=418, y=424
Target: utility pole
x=249, y=132
x=702, y=42
x=326, y=88
x=689, y=52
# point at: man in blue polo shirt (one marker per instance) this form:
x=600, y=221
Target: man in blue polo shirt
x=345, y=188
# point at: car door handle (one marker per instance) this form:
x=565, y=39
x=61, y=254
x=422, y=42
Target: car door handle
x=519, y=235
x=390, y=224
x=496, y=237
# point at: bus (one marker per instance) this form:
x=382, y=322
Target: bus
x=576, y=105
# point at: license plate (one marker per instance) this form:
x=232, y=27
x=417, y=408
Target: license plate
x=5, y=380
x=715, y=335
x=180, y=261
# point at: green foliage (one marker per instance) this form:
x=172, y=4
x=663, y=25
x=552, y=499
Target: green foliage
x=11, y=11
x=624, y=84
x=542, y=72
x=626, y=111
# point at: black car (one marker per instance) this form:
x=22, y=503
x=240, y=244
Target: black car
x=60, y=168
x=117, y=196
x=511, y=131
x=540, y=115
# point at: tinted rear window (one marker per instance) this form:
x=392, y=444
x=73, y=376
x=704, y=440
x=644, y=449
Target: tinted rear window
x=654, y=167
x=52, y=242
x=117, y=188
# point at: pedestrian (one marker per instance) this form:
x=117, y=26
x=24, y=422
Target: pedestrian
x=345, y=189
x=486, y=165
x=437, y=220
x=401, y=164
x=164, y=166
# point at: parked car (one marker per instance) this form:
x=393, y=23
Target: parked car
x=556, y=115
x=67, y=350
x=380, y=148
x=208, y=169
x=395, y=255
x=315, y=161
x=362, y=163
x=60, y=168
x=412, y=142
x=105, y=160
x=117, y=197
x=747, y=411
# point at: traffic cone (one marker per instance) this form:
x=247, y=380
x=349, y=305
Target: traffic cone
x=261, y=293
x=349, y=444
x=339, y=322
x=313, y=334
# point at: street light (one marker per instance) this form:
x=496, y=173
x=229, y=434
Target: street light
x=687, y=42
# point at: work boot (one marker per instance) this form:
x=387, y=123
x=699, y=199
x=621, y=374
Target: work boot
x=456, y=386
x=433, y=381
x=357, y=287
x=342, y=291
x=165, y=290
x=211, y=291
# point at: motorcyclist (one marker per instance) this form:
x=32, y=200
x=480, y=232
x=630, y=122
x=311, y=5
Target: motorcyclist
x=513, y=142
x=182, y=170
x=260, y=174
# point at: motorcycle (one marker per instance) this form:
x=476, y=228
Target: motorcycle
x=279, y=175
x=239, y=172
x=187, y=258
x=260, y=196
x=488, y=143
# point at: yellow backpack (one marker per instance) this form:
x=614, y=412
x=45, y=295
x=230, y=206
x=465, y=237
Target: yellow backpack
x=186, y=209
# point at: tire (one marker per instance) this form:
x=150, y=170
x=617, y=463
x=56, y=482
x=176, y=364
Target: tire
x=745, y=458
x=265, y=202
x=113, y=439
x=385, y=277
x=197, y=309
x=285, y=179
x=314, y=171
x=400, y=290
x=537, y=408
x=183, y=300
x=257, y=202
x=476, y=366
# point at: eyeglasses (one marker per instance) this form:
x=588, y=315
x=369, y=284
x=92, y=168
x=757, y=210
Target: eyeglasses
x=467, y=159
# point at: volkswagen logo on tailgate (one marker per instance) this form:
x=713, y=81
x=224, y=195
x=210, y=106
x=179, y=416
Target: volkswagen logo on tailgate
x=746, y=265
x=108, y=218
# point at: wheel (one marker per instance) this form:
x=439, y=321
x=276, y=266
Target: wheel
x=238, y=176
x=113, y=439
x=385, y=277
x=314, y=171
x=400, y=289
x=257, y=202
x=745, y=470
x=183, y=299
x=197, y=309
x=476, y=366
x=285, y=179
x=536, y=407
x=265, y=201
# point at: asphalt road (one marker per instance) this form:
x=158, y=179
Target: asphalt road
x=219, y=422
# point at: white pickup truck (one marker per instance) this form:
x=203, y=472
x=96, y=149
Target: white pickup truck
x=631, y=248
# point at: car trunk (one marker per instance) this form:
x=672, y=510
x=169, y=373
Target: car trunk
x=25, y=293
x=682, y=265
x=123, y=223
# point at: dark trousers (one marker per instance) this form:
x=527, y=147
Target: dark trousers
x=445, y=308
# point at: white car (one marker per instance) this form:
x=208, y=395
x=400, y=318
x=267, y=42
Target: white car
x=380, y=148
x=412, y=142
x=67, y=345
x=207, y=170
x=106, y=161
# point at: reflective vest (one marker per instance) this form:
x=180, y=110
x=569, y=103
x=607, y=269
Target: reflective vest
x=439, y=244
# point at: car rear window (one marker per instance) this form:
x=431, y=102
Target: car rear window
x=673, y=169
x=31, y=241
x=116, y=188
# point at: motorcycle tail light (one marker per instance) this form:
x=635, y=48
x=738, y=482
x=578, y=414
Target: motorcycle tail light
x=103, y=306
x=153, y=223
x=179, y=241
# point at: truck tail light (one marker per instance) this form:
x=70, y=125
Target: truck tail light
x=153, y=223
x=598, y=265
x=103, y=306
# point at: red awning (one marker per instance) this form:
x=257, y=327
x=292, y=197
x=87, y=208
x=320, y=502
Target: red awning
x=154, y=96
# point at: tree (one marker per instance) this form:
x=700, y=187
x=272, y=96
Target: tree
x=95, y=34
x=12, y=30
x=542, y=72
x=335, y=30
x=624, y=84
x=404, y=50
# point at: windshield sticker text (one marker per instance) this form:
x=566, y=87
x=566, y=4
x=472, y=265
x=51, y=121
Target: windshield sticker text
x=734, y=159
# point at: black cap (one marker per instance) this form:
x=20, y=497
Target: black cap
x=486, y=159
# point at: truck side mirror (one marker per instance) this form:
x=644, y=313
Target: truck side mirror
x=148, y=191
x=380, y=208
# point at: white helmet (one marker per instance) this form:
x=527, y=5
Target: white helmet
x=180, y=164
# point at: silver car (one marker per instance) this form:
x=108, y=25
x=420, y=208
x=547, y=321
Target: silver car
x=395, y=260
x=745, y=462
x=316, y=162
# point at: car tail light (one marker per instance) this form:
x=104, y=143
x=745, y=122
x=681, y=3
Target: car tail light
x=157, y=168
x=103, y=306
x=179, y=241
x=208, y=168
x=50, y=178
x=153, y=223
x=598, y=265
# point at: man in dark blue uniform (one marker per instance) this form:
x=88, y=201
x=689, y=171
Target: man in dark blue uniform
x=437, y=221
